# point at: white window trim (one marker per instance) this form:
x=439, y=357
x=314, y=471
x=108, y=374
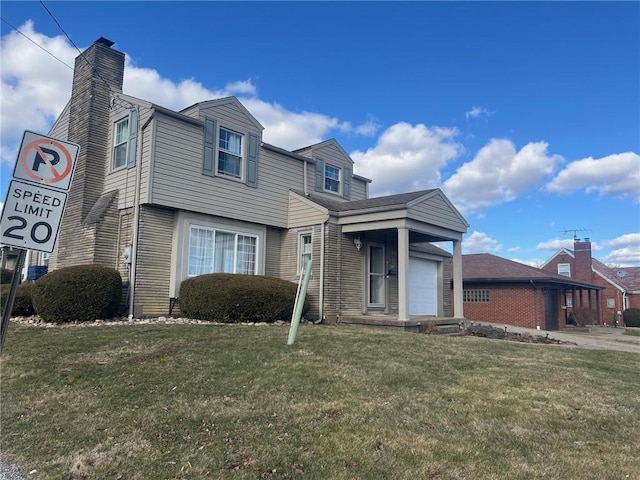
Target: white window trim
x=340, y=179
x=114, y=145
x=235, y=247
x=568, y=267
x=243, y=156
x=301, y=244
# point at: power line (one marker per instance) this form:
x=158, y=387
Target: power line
x=37, y=44
x=93, y=69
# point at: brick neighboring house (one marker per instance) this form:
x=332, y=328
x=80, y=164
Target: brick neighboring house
x=503, y=291
x=621, y=286
x=163, y=195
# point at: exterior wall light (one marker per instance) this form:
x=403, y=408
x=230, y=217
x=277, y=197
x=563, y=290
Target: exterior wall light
x=358, y=243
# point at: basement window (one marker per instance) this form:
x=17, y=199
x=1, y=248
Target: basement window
x=475, y=296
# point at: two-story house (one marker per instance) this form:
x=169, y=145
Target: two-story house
x=164, y=195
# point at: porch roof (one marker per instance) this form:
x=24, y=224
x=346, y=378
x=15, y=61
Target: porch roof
x=488, y=268
x=426, y=212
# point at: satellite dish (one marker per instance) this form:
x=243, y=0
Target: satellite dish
x=621, y=273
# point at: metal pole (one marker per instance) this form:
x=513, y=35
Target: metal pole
x=8, y=306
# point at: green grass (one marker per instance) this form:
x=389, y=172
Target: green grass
x=233, y=401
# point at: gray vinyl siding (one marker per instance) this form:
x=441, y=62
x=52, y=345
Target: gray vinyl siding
x=273, y=251
x=358, y=189
x=178, y=180
x=289, y=263
x=124, y=179
x=435, y=210
x=330, y=152
x=351, y=275
x=332, y=272
x=153, y=261
x=125, y=238
x=230, y=115
x=106, y=248
x=302, y=213
x=60, y=129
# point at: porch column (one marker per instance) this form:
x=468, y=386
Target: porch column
x=403, y=273
x=457, y=279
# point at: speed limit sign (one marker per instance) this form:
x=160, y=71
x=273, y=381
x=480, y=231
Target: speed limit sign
x=31, y=216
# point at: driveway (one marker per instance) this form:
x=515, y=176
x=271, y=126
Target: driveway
x=598, y=338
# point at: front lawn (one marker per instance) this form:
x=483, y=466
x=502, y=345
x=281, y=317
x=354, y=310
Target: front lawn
x=234, y=401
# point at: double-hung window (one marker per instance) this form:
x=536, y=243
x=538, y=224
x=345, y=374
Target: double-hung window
x=230, y=153
x=331, y=178
x=304, y=251
x=564, y=269
x=217, y=251
x=120, y=140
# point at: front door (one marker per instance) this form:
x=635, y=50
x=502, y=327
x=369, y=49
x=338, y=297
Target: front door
x=550, y=309
x=376, y=274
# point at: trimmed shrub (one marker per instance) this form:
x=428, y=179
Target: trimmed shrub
x=584, y=316
x=22, y=304
x=5, y=275
x=78, y=293
x=229, y=298
x=631, y=317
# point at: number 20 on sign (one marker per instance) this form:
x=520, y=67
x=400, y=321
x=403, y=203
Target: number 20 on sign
x=31, y=216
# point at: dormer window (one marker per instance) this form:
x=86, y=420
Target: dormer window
x=230, y=153
x=332, y=176
x=120, y=139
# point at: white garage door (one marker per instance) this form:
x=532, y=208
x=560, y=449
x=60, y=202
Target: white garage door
x=423, y=289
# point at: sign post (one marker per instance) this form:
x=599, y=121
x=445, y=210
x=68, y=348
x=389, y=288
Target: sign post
x=35, y=202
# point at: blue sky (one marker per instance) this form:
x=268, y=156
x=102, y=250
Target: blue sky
x=527, y=115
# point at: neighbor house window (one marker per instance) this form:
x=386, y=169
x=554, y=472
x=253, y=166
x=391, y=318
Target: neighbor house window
x=475, y=296
x=564, y=269
x=611, y=303
x=331, y=178
x=304, y=250
x=45, y=258
x=230, y=153
x=120, y=139
x=217, y=251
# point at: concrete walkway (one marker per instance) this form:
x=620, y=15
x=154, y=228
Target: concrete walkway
x=598, y=338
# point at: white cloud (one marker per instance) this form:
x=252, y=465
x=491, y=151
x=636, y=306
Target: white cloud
x=625, y=250
x=477, y=112
x=513, y=249
x=556, y=244
x=479, y=242
x=617, y=174
x=534, y=262
x=407, y=157
x=499, y=174
x=35, y=86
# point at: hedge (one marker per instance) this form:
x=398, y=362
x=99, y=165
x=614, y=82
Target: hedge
x=234, y=298
x=78, y=293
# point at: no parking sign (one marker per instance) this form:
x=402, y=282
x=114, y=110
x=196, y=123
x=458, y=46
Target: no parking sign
x=35, y=201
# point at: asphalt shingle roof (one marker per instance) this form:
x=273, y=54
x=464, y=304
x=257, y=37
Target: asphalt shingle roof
x=487, y=267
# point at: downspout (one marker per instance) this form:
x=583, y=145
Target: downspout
x=136, y=215
x=305, y=179
x=322, y=243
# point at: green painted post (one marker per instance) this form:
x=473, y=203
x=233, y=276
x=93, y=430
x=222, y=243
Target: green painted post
x=295, y=320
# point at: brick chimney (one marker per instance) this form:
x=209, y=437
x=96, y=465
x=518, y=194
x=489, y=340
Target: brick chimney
x=98, y=72
x=582, y=263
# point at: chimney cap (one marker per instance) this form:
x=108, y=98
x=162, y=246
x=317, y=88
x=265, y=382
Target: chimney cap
x=105, y=41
